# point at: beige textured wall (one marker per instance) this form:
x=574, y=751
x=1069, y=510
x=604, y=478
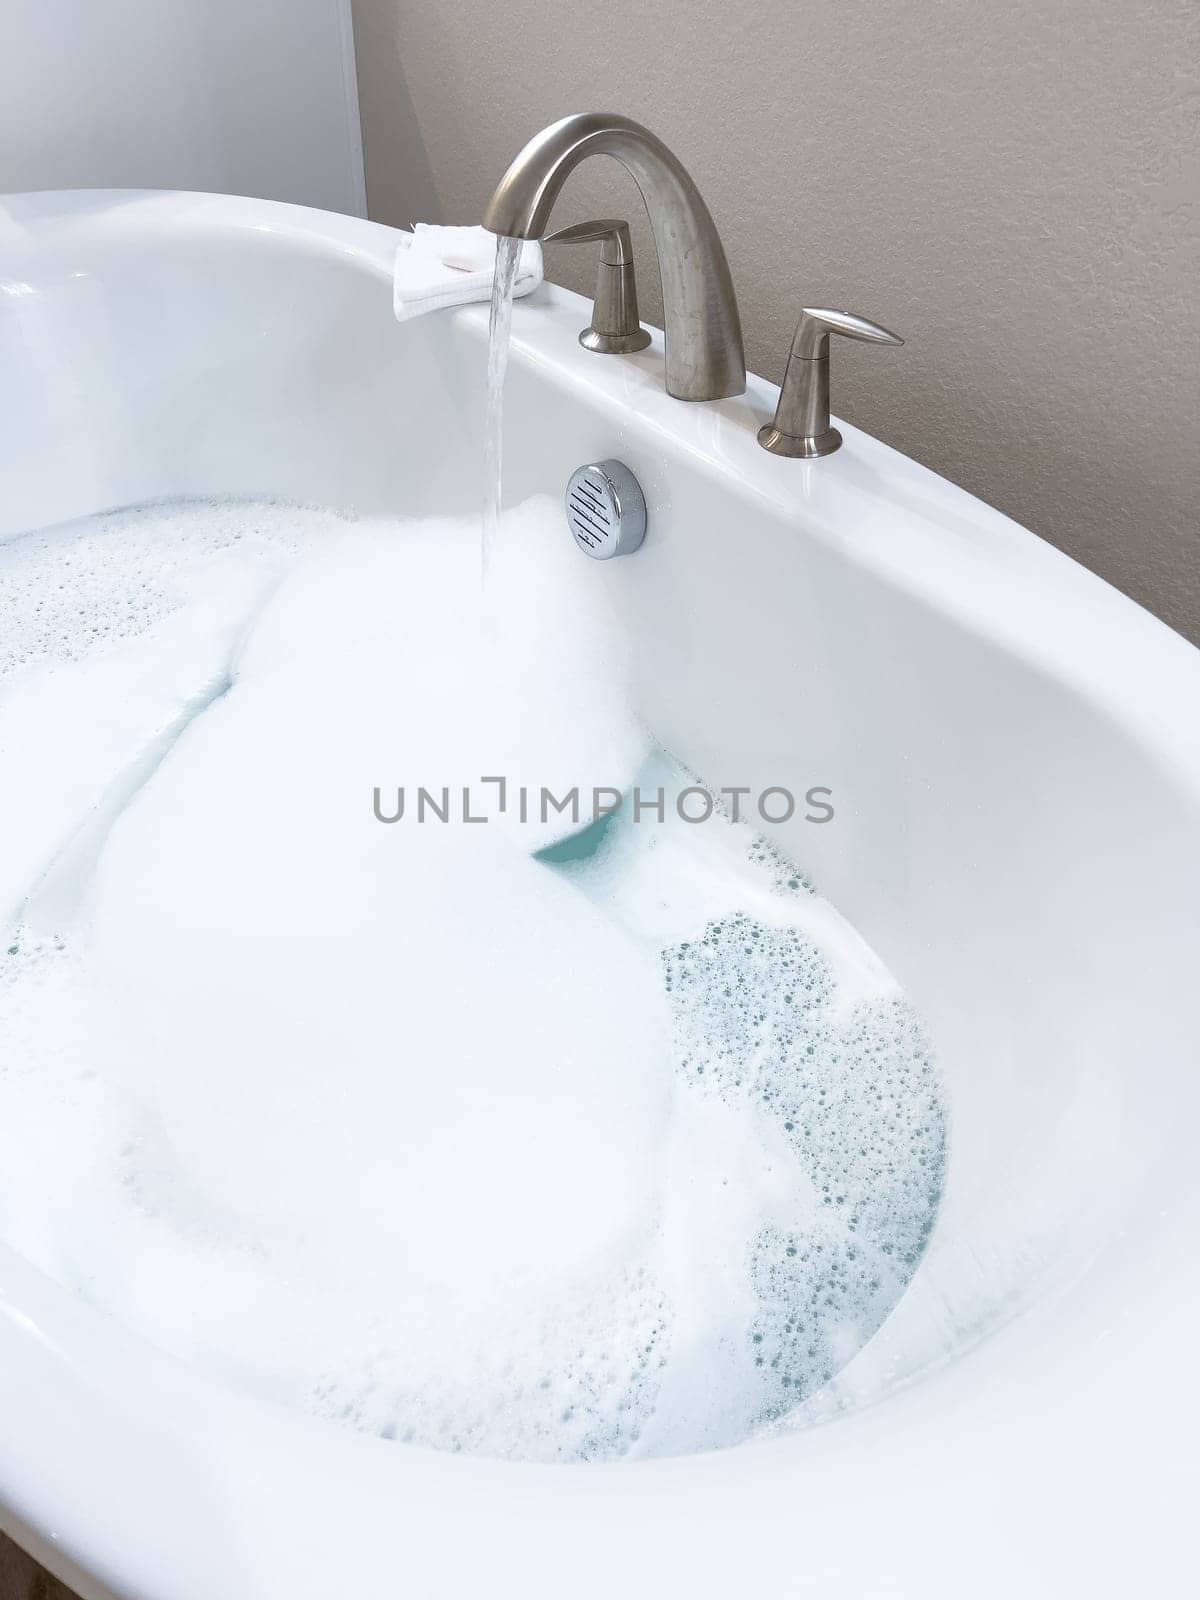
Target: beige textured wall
x=1012, y=184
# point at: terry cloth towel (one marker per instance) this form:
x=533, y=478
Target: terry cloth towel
x=438, y=267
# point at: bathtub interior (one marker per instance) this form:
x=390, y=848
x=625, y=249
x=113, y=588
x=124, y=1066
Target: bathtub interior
x=1008, y=846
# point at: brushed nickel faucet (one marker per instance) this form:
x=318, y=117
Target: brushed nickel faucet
x=801, y=426
x=704, y=355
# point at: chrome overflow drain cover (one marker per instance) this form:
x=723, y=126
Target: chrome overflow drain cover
x=606, y=509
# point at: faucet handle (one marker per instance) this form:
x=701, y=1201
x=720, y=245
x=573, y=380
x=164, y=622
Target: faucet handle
x=801, y=426
x=618, y=247
x=811, y=340
x=615, y=328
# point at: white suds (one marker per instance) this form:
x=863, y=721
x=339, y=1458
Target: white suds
x=551, y=1146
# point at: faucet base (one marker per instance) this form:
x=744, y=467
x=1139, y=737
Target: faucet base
x=614, y=344
x=806, y=447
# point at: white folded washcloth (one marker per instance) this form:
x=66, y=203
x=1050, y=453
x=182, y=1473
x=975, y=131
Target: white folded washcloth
x=438, y=267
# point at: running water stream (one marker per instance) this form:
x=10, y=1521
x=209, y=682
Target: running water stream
x=508, y=253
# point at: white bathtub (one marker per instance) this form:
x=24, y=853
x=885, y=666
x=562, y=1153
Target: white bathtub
x=1015, y=752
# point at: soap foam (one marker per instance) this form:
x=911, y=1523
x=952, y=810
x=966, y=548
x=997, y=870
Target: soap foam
x=593, y=1159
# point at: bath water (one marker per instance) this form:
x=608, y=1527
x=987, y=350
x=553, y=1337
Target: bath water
x=479, y=1137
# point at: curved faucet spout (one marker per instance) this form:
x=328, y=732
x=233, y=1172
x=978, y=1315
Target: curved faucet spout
x=705, y=359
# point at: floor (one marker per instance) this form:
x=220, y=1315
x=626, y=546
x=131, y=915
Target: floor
x=22, y=1579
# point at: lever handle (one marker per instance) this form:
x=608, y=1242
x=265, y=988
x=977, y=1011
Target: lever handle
x=802, y=427
x=618, y=249
x=816, y=323
x=616, y=327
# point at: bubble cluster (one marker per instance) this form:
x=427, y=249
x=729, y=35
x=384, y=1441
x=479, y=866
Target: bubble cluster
x=785, y=877
x=857, y=1101
x=742, y=998
x=580, y=1388
x=67, y=592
